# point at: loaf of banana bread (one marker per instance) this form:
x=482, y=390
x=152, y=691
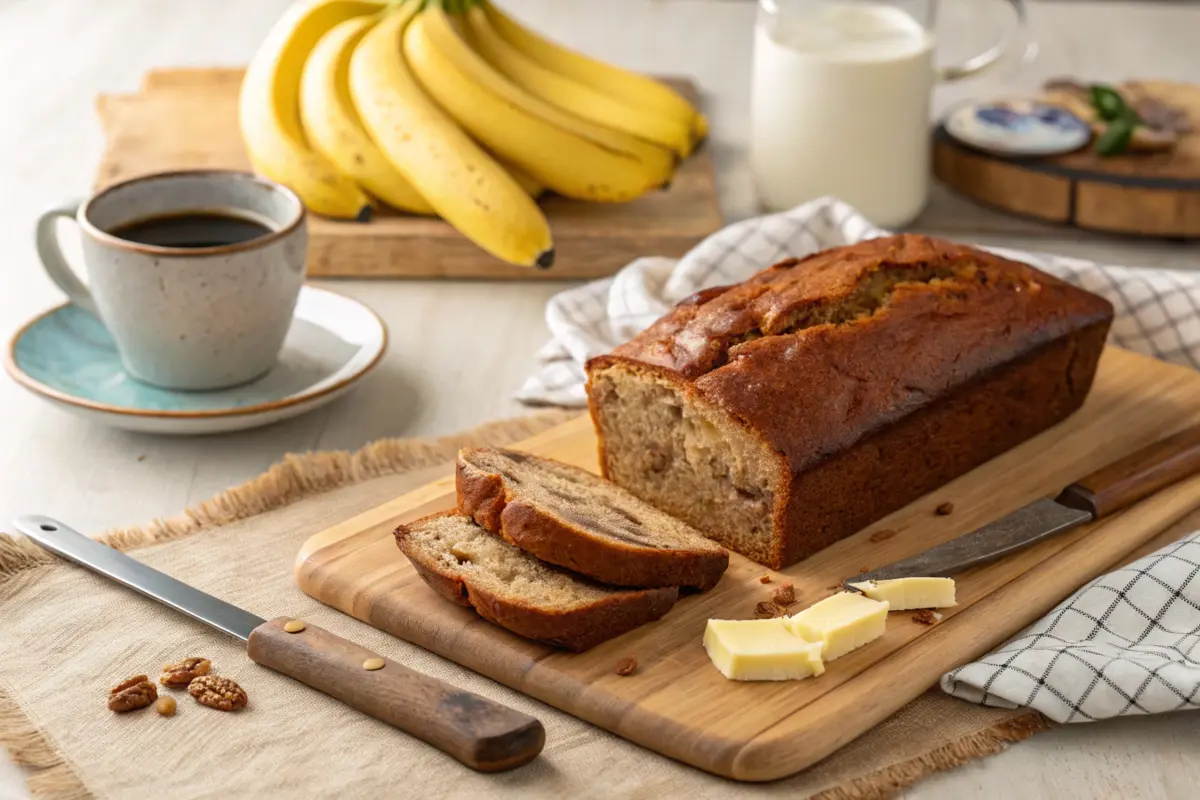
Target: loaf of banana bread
x=790, y=411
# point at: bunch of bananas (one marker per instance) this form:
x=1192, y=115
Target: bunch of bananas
x=450, y=107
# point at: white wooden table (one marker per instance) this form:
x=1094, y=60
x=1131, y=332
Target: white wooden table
x=460, y=349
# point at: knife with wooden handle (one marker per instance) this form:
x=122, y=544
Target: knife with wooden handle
x=1106, y=491
x=481, y=733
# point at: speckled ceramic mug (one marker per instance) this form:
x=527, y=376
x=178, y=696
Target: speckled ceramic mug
x=189, y=318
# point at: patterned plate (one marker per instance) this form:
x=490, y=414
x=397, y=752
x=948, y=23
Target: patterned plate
x=66, y=356
x=1018, y=128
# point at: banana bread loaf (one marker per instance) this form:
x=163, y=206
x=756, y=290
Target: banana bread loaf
x=787, y=412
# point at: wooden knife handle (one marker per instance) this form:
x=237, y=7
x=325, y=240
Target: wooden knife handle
x=1137, y=476
x=480, y=733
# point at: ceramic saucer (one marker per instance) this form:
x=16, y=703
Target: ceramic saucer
x=66, y=356
x=1018, y=128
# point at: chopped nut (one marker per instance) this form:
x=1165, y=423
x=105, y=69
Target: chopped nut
x=765, y=578
x=184, y=672
x=217, y=692
x=657, y=460
x=785, y=595
x=881, y=536
x=293, y=626
x=944, y=509
x=626, y=666
x=765, y=610
x=132, y=693
x=925, y=617
x=165, y=706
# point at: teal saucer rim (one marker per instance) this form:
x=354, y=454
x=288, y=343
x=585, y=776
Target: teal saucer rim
x=37, y=387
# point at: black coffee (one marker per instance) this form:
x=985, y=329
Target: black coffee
x=191, y=229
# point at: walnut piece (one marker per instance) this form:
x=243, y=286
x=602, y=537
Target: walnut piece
x=217, y=692
x=925, y=617
x=785, y=595
x=945, y=509
x=165, y=706
x=765, y=610
x=132, y=694
x=626, y=666
x=184, y=672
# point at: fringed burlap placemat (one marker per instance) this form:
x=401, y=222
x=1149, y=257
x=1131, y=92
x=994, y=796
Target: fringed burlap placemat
x=67, y=636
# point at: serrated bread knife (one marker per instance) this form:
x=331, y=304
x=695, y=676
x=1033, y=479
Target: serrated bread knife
x=481, y=733
x=1106, y=491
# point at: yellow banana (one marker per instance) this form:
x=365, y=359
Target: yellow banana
x=464, y=184
x=523, y=179
x=269, y=116
x=573, y=157
x=332, y=124
x=570, y=95
x=635, y=89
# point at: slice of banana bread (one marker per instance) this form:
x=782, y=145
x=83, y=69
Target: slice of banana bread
x=787, y=412
x=514, y=590
x=575, y=519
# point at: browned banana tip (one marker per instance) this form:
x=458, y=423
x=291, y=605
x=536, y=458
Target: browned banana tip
x=364, y=214
x=545, y=260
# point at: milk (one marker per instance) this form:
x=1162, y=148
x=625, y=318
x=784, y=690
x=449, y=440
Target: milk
x=840, y=106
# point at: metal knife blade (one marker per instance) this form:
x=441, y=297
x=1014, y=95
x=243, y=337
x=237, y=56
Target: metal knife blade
x=77, y=548
x=1039, y=520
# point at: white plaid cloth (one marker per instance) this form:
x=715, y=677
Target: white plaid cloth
x=1157, y=311
x=1127, y=643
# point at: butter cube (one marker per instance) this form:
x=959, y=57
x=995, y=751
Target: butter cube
x=760, y=650
x=841, y=623
x=904, y=594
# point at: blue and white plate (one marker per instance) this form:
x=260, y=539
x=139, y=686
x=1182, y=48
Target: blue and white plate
x=66, y=356
x=1018, y=128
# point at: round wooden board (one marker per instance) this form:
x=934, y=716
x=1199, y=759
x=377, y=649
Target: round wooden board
x=1155, y=194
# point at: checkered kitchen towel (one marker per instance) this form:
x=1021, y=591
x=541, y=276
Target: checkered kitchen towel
x=1158, y=311
x=1127, y=643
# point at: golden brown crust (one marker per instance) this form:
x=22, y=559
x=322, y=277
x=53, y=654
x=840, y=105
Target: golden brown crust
x=488, y=499
x=875, y=372
x=577, y=629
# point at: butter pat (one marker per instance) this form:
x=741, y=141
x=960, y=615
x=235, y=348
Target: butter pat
x=841, y=623
x=760, y=650
x=904, y=594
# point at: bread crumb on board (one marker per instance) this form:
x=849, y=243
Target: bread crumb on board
x=945, y=509
x=785, y=595
x=626, y=666
x=766, y=578
x=925, y=617
x=769, y=610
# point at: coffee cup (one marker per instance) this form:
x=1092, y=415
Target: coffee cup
x=195, y=274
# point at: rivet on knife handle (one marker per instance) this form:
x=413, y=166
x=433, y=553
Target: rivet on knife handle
x=1137, y=476
x=480, y=733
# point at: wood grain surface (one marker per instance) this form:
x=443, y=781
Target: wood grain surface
x=1151, y=194
x=187, y=118
x=678, y=705
x=481, y=733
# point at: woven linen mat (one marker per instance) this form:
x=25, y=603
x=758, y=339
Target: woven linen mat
x=67, y=636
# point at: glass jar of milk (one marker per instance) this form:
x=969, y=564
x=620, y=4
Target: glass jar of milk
x=840, y=103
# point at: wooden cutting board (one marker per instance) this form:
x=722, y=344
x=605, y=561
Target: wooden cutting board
x=677, y=704
x=187, y=119
x=1149, y=194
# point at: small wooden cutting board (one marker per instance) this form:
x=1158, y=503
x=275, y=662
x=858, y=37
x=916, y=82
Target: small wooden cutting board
x=677, y=704
x=1147, y=194
x=187, y=119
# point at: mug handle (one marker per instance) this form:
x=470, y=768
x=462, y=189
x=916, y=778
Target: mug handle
x=977, y=64
x=53, y=261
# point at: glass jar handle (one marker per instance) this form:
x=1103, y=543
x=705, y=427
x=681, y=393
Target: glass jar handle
x=977, y=64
